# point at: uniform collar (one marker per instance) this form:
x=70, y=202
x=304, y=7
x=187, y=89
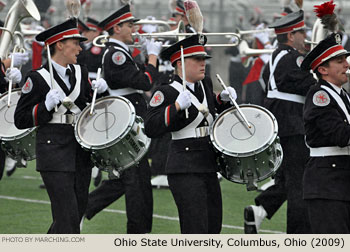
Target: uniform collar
x=122, y=44
x=61, y=70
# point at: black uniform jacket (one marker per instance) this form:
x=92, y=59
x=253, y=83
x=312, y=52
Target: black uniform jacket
x=56, y=146
x=289, y=79
x=91, y=57
x=121, y=71
x=326, y=177
x=190, y=155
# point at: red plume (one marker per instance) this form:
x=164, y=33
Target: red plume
x=328, y=18
x=326, y=8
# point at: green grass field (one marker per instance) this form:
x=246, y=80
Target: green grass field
x=25, y=209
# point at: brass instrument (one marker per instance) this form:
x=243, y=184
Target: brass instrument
x=245, y=50
x=19, y=10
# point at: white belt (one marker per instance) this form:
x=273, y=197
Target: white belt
x=236, y=59
x=285, y=96
x=64, y=118
x=190, y=133
x=329, y=151
x=123, y=91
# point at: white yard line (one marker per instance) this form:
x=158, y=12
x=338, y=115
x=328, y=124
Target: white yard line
x=123, y=212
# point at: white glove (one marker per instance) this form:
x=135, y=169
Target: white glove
x=100, y=85
x=149, y=28
x=224, y=95
x=13, y=74
x=265, y=58
x=19, y=59
x=53, y=98
x=263, y=37
x=184, y=100
x=153, y=47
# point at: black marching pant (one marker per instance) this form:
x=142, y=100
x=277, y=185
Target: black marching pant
x=198, y=200
x=135, y=183
x=2, y=162
x=288, y=186
x=329, y=216
x=68, y=192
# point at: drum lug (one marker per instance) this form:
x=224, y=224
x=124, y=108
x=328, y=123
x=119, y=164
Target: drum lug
x=271, y=164
x=251, y=185
x=141, y=143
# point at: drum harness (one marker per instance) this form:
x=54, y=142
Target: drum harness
x=191, y=130
x=332, y=150
x=122, y=91
x=274, y=93
x=60, y=116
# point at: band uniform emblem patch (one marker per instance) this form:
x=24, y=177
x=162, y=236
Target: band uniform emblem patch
x=321, y=98
x=28, y=86
x=157, y=99
x=118, y=58
x=96, y=50
x=300, y=60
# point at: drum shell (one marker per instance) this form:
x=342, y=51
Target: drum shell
x=126, y=151
x=260, y=166
x=123, y=151
x=259, y=162
x=22, y=143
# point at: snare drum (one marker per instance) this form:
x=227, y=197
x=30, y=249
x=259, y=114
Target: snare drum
x=248, y=155
x=16, y=143
x=114, y=134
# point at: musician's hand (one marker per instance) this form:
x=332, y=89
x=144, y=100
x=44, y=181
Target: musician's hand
x=100, y=85
x=153, y=47
x=19, y=59
x=184, y=100
x=53, y=98
x=13, y=74
x=224, y=95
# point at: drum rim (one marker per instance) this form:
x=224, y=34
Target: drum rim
x=25, y=132
x=113, y=141
x=246, y=154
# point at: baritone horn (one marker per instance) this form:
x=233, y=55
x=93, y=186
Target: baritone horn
x=18, y=11
x=179, y=33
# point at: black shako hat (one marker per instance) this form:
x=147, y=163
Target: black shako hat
x=82, y=26
x=68, y=29
x=328, y=48
x=292, y=22
x=90, y=25
x=192, y=46
x=120, y=16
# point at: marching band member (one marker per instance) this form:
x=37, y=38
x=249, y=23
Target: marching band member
x=327, y=129
x=90, y=56
x=5, y=75
x=63, y=165
x=287, y=87
x=191, y=165
x=127, y=78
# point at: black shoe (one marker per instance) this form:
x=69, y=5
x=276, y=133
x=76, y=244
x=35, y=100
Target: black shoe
x=10, y=172
x=42, y=186
x=98, y=178
x=249, y=221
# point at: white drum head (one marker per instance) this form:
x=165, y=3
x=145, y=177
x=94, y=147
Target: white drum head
x=232, y=136
x=8, y=130
x=111, y=120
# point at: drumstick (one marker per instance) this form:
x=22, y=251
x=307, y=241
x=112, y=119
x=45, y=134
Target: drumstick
x=106, y=120
x=50, y=69
x=233, y=100
x=183, y=75
x=10, y=83
x=95, y=92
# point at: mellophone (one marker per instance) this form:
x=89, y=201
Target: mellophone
x=116, y=138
